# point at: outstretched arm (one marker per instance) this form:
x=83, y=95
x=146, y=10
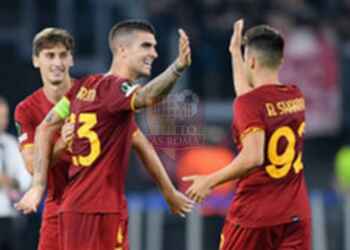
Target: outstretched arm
x=241, y=84
x=178, y=203
x=158, y=88
x=42, y=154
x=251, y=156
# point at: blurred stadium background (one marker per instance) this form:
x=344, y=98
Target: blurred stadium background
x=317, y=58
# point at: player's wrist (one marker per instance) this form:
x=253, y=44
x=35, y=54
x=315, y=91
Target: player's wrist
x=168, y=191
x=212, y=181
x=178, y=68
x=38, y=187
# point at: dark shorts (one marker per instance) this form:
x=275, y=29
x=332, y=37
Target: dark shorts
x=291, y=236
x=79, y=231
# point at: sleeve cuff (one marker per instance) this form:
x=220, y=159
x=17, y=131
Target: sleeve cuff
x=132, y=101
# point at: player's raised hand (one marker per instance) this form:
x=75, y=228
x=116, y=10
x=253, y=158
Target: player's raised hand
x=200, y=187
x=31, y=200
x=236, y=38
x=184, y=58
x=178, y=203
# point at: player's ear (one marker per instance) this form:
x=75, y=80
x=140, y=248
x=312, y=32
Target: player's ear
x=121, y=50
x=35, y=61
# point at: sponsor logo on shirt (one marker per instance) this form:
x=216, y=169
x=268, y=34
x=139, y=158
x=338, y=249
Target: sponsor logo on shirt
x=86, y=95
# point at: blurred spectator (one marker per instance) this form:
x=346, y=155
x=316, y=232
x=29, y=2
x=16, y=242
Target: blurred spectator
x=13, y=180
x=203, y=160
x=342, y=25
x=342, y=169
x=308, y=45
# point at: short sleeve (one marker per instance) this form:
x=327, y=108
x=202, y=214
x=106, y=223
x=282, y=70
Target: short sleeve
x=120, y=96
x=25, y=127
x=247, y=116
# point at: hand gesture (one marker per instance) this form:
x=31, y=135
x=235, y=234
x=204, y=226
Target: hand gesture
x=184, y=59
x=67, y=131
x=178, y=203
x=31, y=200
x=236, y=39
x=199, y=188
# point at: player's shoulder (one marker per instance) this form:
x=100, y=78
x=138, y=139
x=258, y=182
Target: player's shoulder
x=115, y=80
x=30, y=101
x=295, y=90
x=246, y=100
x=118, y=85
x=269, y=91
x=278, y=89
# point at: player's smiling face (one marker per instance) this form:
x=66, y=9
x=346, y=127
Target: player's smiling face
x=54, y=63
x=141, y=53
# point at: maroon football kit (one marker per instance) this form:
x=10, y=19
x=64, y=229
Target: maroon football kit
x=270, y=209
x=94, y=211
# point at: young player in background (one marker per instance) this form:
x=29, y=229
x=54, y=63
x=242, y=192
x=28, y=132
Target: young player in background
x=52, y=55
x=270, y=209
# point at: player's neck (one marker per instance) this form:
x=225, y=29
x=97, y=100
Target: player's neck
x=119, y=69
x=55, y=92
x=266, y=78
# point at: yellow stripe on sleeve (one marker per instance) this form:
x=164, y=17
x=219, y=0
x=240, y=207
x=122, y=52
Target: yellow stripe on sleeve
x=132, y=102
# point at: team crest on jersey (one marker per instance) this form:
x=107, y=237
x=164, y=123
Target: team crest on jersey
x=127, y=88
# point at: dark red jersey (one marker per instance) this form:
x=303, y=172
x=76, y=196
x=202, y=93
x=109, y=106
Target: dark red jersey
x=28, y=115
x=101, y=110
x=275, y=192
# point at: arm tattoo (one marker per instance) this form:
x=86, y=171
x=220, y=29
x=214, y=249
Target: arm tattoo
x=158, y=88
x=40, y=173
x=49, y=117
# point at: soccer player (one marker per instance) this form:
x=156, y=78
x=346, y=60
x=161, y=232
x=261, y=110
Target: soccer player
x=100, y=107
x=270, y=209
x=52, y=55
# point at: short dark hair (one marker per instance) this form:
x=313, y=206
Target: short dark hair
x=127, y=26
x=49, y=37
x=267, y=41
